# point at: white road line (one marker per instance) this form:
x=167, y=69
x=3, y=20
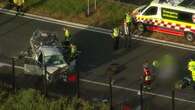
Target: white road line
x=99, y=30
x=9, y=65
x=114, y=86
x=135, y=90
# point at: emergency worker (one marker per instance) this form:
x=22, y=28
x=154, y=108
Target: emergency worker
x=19, y=5
x=67, y=37
x=126, y=34
x=191, y=68
x=147, y=77
x=73, y=51
x=128, y=22
x=128, y=19
x=115, y=37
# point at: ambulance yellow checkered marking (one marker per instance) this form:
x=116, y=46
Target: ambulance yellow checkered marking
x=182, y=26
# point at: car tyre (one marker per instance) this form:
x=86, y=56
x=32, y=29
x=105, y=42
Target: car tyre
x=140, y=28
x=189, y=37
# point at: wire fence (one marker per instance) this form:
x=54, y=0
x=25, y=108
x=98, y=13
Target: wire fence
x=15, y=79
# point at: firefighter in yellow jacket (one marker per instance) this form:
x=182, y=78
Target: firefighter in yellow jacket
x=19, y=5
x=191, y=68
x=115, y=37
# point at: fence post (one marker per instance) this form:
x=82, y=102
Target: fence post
x=141, y=97
x=78, y=84
x=13, y=75
x=110, y=71
x=110, y=85
x=173, y=99
x=45, y=80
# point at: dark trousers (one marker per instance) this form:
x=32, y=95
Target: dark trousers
x=128, y=39
x=11, y=4
x=19, y=8
x=116, y=43
x=193, y=85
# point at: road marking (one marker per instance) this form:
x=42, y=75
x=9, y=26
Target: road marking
x=99, y=30
x=114, y=86
x=135, y=90
x=9, y=65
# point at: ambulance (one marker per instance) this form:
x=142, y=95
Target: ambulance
x=175, y=17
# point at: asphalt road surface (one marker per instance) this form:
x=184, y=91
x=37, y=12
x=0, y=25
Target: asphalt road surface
x=97, y=55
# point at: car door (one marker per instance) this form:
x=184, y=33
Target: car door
x=33, y=66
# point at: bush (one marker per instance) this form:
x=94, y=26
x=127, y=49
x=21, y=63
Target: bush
x=33, y=100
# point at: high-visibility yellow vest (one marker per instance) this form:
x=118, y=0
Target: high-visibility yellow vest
x=191, y=67
x=66, y=34
x=73, y=50
x=128, y=18
x=193, y=76
x=18, y=2
x=115, y=32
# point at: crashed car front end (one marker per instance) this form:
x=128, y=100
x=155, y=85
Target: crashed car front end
x=64, y=74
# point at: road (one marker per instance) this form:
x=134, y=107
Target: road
x=97, y=55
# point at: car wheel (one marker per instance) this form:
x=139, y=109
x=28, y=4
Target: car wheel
x=140, y=28
x=189, y=36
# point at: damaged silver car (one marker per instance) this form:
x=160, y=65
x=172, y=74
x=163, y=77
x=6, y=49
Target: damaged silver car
x=46, y=56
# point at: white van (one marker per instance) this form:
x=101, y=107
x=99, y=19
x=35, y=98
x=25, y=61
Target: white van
x=175, y=18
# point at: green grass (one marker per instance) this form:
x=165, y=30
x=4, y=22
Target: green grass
x=108, y=13
x=68, y=7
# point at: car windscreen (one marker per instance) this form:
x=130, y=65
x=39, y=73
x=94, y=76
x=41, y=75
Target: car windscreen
x=54, y=60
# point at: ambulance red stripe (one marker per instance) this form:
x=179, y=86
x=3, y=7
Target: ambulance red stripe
x=165, y=30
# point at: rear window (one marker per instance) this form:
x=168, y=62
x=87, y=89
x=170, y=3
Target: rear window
x=177, y=15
